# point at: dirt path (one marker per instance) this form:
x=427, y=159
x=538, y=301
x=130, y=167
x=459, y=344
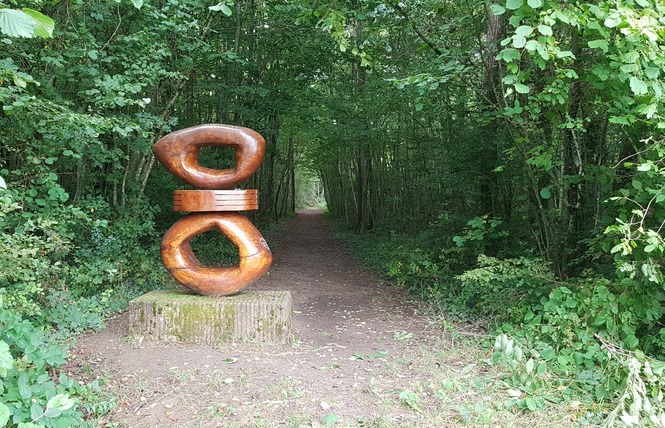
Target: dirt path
x=360, y=354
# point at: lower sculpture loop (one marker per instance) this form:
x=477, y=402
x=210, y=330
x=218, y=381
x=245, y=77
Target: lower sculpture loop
x=180, y=261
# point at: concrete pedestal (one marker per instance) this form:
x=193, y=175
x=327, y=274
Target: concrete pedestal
x=261, y=316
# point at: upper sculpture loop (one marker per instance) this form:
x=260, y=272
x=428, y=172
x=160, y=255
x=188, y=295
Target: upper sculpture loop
x=179, y=153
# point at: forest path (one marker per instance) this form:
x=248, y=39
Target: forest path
x=358, y=349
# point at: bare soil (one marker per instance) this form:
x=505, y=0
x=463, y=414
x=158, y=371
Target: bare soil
x=361, y=354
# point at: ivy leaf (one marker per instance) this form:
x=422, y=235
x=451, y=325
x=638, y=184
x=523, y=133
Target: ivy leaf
x=137, y=3
x=535, y=3
x=514, y=4
x=16, y=23
x=638, y=86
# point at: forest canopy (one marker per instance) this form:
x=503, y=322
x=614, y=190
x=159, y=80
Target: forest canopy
x=501, y=160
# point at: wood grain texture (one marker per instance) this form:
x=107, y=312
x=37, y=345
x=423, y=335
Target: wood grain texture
x=179, y=153
x=215, y=200
x=180, y=261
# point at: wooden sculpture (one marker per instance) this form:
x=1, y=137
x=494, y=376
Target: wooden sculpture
x=211, y=208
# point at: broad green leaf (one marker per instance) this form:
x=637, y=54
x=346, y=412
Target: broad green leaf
x=613, y=20
x=137, y=3
x=522, y=89
x=43, y=24
x=514, y=4
x=598, y=44
x=524, y=30
x=546, y=193
x=621, y=120
x=531, y=45
x=16, y=23
x=638, y=86
x=535, y=3
x=547, y=354
x=23, y=387
x=509, y=54
x=509, y=79
x=6, y=359
x=60, y=402
x=652, y=72
x=629, y=68
x=519, y=41
x=530, y=365
x=545, y=30
x=221, y=7
x=631, y=341
x=497, y=9
x=4, y=415
x=643, y=3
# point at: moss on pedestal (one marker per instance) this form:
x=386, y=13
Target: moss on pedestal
x=262, y=316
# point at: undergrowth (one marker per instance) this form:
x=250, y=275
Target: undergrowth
x=595, y=338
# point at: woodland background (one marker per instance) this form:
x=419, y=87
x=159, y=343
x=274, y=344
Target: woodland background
x=502, y=161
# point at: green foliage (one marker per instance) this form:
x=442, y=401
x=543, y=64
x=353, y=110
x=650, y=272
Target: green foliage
x=28, y=391
x=500, y=287
x=25, y=23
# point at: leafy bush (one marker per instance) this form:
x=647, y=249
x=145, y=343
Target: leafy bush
x=30, y=389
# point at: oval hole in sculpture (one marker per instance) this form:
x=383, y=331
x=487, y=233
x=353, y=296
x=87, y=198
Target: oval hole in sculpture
x=217, y=157
x=213, y=249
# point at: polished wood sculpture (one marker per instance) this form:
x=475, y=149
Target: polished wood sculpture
x=210, y=208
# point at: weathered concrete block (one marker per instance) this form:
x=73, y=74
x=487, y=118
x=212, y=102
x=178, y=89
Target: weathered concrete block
x=261, y=316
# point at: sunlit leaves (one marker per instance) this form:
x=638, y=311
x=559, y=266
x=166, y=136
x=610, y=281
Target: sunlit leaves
x=521, y=88
x=16, y=23
x=223, y=7
x=638, y=86
x=613, y=20
x=43, y=24
x=514, y=4
x=545, y=30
